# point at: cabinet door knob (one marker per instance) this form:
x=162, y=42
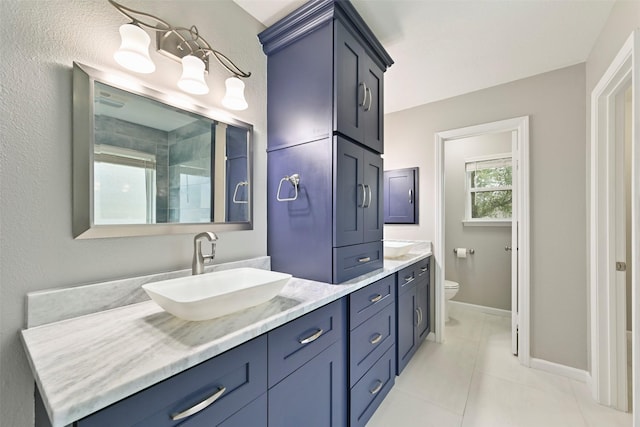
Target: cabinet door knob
x=375, y=340
x=200, y=406
x=366, y=203
x=311, y=338
x=364, y=94
x=377, y=388
x=410, y=196
x=364, y=196
x=376, y=298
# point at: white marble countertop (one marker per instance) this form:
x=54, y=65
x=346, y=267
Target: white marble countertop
x=84, y=364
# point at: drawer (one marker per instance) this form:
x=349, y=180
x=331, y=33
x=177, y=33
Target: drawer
x=367, y=301
x=356, y=260
x=292, y=345
x=371, y=390
x=242, y=372
x=370, y=341
x=408, y=275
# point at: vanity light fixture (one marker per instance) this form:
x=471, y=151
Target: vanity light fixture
x=180, y=43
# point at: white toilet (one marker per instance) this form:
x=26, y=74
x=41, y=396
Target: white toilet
x=450, y=290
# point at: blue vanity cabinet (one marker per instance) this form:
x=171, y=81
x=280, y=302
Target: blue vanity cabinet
x=372, y=352
x=401, y=196
x=308, y=371
x=238, y=377
x=413, y=310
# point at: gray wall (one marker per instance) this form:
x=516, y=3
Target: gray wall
x=485, y=276
x=555, y=102
x=40, y=39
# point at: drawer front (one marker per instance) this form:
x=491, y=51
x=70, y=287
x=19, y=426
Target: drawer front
x=369, y=300
x=241, y=372
x=356, y=260
x=422, y=268
x=370, y=341
x=254, y=415
x=371, y=390
x=406, y=279
x=293, y=344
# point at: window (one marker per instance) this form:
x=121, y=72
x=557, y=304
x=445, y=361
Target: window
x=489, y=188
x=124, y=186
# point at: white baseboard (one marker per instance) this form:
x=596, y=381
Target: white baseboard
x=482, y=308
x=431, y=337
x=563, y=370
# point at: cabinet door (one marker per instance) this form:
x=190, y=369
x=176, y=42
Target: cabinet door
x=349, y=88
x=422, y=302
x=315, y=395
x=407, y=318
x=373, y=110
x=349, y=193
x=372, y=211
x=400, y=196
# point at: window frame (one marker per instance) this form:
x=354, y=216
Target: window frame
x=468, y=219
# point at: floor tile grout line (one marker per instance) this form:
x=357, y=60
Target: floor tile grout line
x=473, y=372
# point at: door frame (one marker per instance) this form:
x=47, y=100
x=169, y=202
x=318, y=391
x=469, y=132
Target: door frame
x=520, y=224
x=608, y=348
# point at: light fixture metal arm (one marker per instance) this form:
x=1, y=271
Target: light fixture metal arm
x=189, y=38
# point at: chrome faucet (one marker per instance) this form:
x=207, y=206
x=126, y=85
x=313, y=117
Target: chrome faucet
x=197, y=267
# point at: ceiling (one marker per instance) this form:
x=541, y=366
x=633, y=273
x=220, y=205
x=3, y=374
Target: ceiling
x=444, y=48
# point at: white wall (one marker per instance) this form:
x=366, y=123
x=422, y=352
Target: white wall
x=40, y=39
x=485, y=276
x=555, y=102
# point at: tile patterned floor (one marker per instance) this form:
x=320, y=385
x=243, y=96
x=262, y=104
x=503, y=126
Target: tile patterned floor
x=472, y=380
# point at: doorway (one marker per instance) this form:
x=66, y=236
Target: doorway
x=519, y=128
x=614, y=242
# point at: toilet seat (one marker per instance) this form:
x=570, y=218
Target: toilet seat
x=448, y=284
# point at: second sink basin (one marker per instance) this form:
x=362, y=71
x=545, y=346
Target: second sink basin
x=211, y=295
x=393, y=249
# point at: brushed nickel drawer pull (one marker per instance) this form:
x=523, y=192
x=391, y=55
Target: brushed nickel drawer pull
x=312, y=338
x=408, y=279
x=200, y=406
x=365, y=259
x=376, y=298
x=423, y=269
x=376, y=340
x=377, y=388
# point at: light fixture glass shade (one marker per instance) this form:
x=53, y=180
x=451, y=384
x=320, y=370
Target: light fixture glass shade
x=134, y=50
x=192, y=79
x=234, y=97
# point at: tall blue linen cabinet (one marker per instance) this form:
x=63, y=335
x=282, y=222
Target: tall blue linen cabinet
x=325, y=137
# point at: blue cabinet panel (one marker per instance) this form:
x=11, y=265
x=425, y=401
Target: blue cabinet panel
x=371, y=390
x=350, y=193
x=299, y=232
x=294, y=344
x=315, y=395
x=374, y=109
x=242, y=372
x=369, y=300
x=401, y=196
x=370, y=340
x=300, y=90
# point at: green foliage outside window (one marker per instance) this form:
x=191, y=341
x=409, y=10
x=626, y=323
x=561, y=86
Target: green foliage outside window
x=491, y=199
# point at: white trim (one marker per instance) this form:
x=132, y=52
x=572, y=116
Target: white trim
x=486, y=223
x=563, y=370
x=606, y=326
x=483, y=309
x=521, y=209
x=431, y=336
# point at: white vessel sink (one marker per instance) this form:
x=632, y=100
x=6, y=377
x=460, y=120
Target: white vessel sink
x=396, y=249
x=211, y=295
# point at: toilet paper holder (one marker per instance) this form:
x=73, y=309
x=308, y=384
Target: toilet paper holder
x=470, y=251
